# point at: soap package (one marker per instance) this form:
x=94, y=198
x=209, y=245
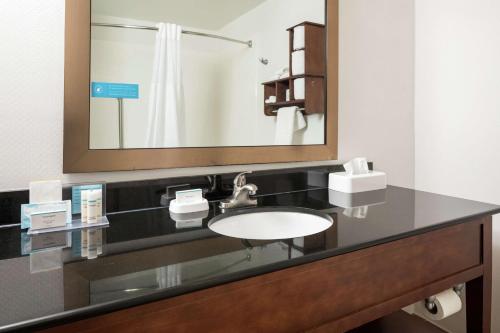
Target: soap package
x=44, y=212
x=76, y=196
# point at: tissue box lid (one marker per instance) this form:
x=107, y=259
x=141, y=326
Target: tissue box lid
x=342, y=182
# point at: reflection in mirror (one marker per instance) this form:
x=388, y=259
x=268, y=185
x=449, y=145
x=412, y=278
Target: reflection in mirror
x=196, y=73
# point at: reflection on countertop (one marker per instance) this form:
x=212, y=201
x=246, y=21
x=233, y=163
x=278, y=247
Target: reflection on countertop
x=146, y=255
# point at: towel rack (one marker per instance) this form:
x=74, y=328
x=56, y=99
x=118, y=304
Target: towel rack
x=298, y=109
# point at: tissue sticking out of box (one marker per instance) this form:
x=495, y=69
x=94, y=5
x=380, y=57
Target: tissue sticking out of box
x=357, y=166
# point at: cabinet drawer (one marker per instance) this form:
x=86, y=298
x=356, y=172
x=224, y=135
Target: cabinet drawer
x=311, y=295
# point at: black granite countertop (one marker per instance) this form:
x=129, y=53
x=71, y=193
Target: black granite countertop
x=145, y=255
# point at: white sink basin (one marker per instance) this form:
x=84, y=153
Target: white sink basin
x=270, y=223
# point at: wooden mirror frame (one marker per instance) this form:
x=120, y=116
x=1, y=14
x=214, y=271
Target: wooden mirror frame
x=79, y=158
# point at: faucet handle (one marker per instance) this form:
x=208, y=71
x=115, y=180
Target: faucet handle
x=240, y=180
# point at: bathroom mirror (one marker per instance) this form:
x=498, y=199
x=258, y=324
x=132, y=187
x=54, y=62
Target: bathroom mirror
x=170, y=74
x=191, y=82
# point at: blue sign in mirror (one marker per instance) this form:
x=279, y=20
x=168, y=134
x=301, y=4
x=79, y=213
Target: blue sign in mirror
x=115, y=90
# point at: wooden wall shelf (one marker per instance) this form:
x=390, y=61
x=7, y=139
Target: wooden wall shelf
x=312, y=99
x=288, y=103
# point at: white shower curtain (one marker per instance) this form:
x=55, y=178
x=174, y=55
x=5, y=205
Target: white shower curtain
x=166, y=99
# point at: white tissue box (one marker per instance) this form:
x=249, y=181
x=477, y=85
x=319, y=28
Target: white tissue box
x=356, y=200
x=343, y=182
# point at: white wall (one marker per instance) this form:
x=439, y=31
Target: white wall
x=457, y=106
x=112, y=50
x=31, y=104
x=376, y=85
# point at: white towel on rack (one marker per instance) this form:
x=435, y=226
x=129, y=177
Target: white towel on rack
x=288, y=121
x=298, y=63
x=299, y=37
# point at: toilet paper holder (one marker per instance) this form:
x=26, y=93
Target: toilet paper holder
x=430, y=304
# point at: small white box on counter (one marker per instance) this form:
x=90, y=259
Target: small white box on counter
x=189, y=196
x=189, y=201
x=371, y=181
x=48, y=220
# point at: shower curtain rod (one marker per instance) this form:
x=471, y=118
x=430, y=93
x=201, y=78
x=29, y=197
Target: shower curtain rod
x=187, y=32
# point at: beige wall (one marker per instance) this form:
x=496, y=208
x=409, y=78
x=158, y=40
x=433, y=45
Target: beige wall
x=457, y=108
x=376, y=85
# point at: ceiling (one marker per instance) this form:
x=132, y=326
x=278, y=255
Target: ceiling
x=202, y=14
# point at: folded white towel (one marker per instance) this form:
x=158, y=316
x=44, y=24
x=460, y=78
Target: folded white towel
x=298, y=63
x=289, y=120
x=299, y=88
x=271, y=99
x=299, y=37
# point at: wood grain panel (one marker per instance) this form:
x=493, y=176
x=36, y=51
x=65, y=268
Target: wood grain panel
x=79, y=158
x=478, y=291
x=318, y=295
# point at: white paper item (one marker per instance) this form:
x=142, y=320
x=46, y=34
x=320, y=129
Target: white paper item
x=447, y=304
x=357, y=166
x=299, y=88
x=45, y=191
x=189, y=196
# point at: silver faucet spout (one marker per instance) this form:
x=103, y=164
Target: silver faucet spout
x=251, y=188
x=241, y=193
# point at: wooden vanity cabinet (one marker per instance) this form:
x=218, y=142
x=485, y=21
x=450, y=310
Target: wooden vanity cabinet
x=335, y=294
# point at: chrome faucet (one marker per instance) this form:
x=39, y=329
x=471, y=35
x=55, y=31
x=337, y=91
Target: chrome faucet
x=241, y=193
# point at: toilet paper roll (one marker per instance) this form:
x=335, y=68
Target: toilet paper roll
x=447, y=304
